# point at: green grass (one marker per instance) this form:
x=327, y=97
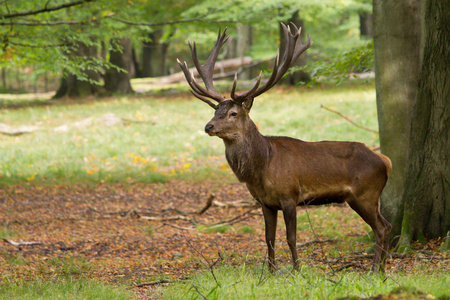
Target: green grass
x=57, y=278
x=168, y=141
x=6, y=232
x=256, y=283
x=61, y=289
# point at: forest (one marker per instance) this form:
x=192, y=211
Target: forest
x=110, y=187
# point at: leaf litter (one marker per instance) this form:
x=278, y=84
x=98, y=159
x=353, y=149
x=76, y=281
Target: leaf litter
x=144, y=235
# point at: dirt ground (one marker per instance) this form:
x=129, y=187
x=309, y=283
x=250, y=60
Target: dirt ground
x=137, y=234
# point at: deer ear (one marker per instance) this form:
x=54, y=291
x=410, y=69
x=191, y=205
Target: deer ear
x=247, y=104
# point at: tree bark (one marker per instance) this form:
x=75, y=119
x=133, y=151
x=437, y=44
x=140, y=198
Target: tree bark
x=397, y=36
x=71, y=86
x=427, y=189
x=154, y=56
x=117, y=81
x=366, y=25
x=239, y=46
x=299, y=76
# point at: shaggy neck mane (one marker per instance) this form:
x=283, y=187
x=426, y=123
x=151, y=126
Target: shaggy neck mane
x=248, y=155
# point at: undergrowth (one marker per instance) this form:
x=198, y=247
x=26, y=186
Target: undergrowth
x=255, y=282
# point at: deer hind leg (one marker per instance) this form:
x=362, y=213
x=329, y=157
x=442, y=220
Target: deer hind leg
x=369, y=210
x=290, y=218
x=270, y=219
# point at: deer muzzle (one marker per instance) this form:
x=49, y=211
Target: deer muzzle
x=209, y=129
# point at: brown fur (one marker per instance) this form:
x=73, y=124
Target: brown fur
x=282, y=173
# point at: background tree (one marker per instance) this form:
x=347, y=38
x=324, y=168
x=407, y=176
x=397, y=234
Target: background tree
x=417, y=197
x=117, y=79
x=48, y=35
x=397, y=66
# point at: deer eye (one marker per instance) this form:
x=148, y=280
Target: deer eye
x=234, y=114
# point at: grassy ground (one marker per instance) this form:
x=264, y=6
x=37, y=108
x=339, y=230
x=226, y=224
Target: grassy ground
x=114, y=207
x=162, y=138
x=252, y=282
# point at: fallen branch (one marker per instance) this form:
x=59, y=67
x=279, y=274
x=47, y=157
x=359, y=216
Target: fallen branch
x=18, y=244
x=234, y=220
x=238, y=203
x=352, y=264
x=132, y=212
x=164, y=219
x=220, y=67
x=155, y=282
x=209, y=203
x=8, y=130
x=178, y=227
x=299, y=245
x=348, y=119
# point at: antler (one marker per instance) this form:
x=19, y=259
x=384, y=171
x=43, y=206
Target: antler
x=206, y=72
x=294, y=48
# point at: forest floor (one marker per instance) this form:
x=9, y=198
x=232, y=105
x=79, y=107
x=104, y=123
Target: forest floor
x=136, y=235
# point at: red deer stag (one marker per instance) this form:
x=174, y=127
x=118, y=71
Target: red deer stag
x=281, y=172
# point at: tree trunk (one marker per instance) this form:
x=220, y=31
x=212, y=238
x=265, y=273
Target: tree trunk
x=397, y=33
x=117, y=81
x=427, y=190
x=366, y=25
x=299, y=76
x=71, y=86
x=154, y=56
x=239, y=46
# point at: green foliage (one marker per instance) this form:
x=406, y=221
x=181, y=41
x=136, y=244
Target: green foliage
x=35, y=33
x=339, y=68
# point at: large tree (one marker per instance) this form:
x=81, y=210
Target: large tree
x=117, y=79
x=426, y=196
x=414, y=118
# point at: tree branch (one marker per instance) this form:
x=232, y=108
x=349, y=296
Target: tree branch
x=45, y=24
x=35, y=46
x=200, y=18
x=155, y=282
x=43, y=10
x=348, y=119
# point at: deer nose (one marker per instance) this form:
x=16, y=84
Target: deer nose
x=209, y=127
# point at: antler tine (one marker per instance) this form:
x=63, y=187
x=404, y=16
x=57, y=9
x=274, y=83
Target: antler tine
x=190, y=78
x=241, y=97
x=206, y=100
x=206, y=71
x=301, y=49
x=292, y=51
x=288, y=51
x=233, y=89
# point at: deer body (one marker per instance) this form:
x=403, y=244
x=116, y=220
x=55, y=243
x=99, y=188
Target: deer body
x=282, y=173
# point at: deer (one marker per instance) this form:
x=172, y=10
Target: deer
x=282, y=173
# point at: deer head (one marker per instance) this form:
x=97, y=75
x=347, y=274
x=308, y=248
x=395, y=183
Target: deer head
x=232, y=115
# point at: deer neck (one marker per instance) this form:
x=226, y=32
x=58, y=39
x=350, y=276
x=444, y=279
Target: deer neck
x=248, y=154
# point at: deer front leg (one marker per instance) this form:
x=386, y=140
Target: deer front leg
x=270, y=219
x=290, y=218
